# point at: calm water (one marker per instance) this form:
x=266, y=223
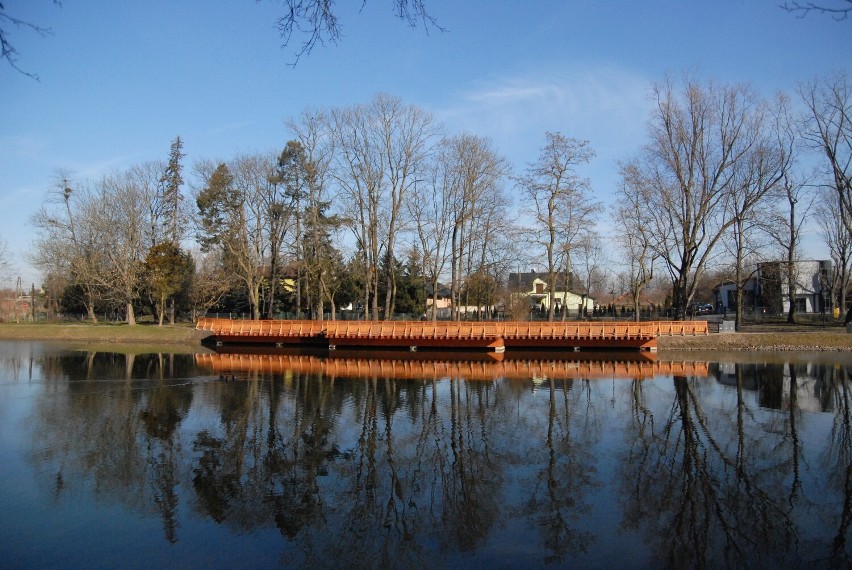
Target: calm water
x=162, y=460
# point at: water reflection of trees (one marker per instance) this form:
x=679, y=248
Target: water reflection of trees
x=731, y=485
x=108, y=423
x=423, y=472
x=558, y=502
x=420, y=468
x=836, y=394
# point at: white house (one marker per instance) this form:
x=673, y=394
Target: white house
x=533, y=286
x=767, y=291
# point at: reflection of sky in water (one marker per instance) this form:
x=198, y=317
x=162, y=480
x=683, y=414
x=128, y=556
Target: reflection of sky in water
x=190, y=466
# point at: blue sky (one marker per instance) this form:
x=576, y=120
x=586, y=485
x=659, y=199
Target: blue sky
x=120, y=79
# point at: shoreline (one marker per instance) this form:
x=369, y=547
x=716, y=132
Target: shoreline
x=776, y=339
x=110, y=333
x=832, y=340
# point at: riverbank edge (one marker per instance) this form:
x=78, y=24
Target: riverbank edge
x=104, y=333
x=805, y=339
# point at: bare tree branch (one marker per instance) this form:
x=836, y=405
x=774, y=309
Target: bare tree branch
x=839, y=12
x=8, y=51
x=317, y=20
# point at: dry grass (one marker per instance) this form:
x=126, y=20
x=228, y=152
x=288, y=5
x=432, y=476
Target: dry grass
x=766, y=337
x=107, y=333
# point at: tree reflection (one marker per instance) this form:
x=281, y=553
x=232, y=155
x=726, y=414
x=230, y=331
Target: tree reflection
x=699, y=497
x=567, y=476
x=434, y=471
x=109, y=429
x=837, y=460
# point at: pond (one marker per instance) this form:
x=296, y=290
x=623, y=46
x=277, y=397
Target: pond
x=231, y=460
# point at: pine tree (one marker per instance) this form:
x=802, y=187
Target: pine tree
x=170, y=183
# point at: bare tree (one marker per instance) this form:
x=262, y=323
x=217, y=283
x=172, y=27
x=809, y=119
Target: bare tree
x=746, y=243
x=838, y=239
x=489, y=253
x=120, y=221
x=357, y=169
x=591, y=261
x=5, y=261
x=68, y=244
x=828, y=129
x=430, y=211
x=699, y=139
x=474, y=171
x=786, y=229
x=97, y=237
x=380, y=148
x=756, y=178
x=406, y=135
x=634, y=237
x=559, y=203
x=210, y=282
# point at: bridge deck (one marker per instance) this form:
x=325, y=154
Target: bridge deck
x=450, y=335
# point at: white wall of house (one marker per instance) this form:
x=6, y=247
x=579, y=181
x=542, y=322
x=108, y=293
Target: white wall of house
x=540, y=299
x=808, y=290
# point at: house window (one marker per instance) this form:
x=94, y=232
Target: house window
x=539, y=288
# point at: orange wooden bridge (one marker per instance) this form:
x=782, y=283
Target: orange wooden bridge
x=490, y=336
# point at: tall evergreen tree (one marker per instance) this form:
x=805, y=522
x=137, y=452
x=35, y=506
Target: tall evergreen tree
x=170, y=183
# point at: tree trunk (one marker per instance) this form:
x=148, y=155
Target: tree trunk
x=739, y=276
x=791, y=257
x=791, y=290
x=161, y=309
x=131, y=317
x=90, y=310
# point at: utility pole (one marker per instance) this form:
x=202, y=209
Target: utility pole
x=19, y=294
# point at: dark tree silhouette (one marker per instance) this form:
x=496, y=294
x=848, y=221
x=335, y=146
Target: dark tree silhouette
x=7, y=50
x=837, y=9
x=317, y=21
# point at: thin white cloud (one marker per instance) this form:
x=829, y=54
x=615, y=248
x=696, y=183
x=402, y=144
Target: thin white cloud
x=606, y=105
x=87, y=171
x=25, y=146
x=228, y=128
x=514, y=92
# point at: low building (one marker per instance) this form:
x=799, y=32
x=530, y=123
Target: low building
x=443, y=302
x=534, y=287
x=766, y=291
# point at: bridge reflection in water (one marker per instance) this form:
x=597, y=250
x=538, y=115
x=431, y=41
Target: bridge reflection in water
x=557, y=365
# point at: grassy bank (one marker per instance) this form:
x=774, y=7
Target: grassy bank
x=766, y=337
x=106, y=333
x=804, y=341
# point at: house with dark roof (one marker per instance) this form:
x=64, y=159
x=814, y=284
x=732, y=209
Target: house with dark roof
x=534, y=286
